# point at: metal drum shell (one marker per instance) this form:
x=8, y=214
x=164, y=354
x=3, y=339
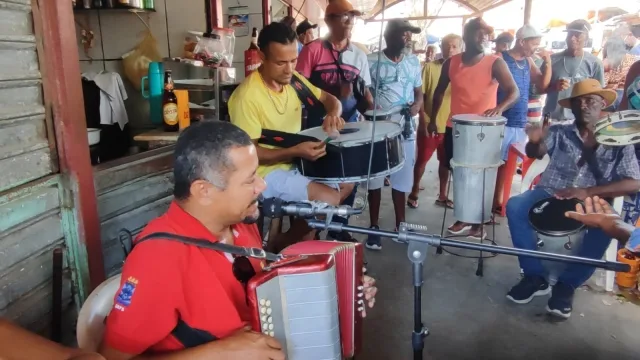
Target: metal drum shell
x=350, y=163
x=469, y=183
x=554, y=240
x=477, y=140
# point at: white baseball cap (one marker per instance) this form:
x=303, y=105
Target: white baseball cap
x=528, y=32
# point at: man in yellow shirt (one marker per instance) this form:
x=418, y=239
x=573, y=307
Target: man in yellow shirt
x=267, y=100
x=431, y=133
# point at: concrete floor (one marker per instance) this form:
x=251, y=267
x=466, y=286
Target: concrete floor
x=469, y=316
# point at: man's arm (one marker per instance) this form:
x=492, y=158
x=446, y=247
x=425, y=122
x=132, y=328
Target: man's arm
x=615, y=189
x=541, y=78
x=502, y=74
x=542, y=141
x=418, y=94
x=332, y=105
x=598, y=72
x=17, y=343
x=438, y=94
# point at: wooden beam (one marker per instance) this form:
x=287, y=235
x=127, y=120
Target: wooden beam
x=62, y=86
x=420, y=18
x=527, y=11
x=466, y=4
x=491, y=7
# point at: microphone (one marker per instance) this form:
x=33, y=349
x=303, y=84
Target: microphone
x=276, y=207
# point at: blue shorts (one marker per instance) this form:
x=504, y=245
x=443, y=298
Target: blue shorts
x=512, y=135
x=289, y=185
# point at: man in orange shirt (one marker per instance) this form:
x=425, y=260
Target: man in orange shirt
x=474, y=78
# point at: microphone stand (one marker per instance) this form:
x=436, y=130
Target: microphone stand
x=417, y=253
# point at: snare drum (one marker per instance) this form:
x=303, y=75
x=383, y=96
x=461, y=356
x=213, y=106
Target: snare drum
x=555, y=233
x=348, y=160
x=619, y=129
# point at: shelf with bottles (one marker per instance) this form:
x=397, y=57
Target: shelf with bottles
x=113, y=5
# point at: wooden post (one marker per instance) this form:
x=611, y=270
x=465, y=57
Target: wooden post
x=527, y=11
x=56, y=37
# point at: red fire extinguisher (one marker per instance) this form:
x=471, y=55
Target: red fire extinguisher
x=251, y=56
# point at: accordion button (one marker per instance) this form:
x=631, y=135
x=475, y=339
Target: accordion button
x=269, y=319
x=262, y=302
x=268, y=303
x=264, y=318
x=360, y=288
x=272, y=334
x=263, y=310
x=266, y=332
x=265, y=326
x=360, y=309
x=270, y=326
x=269, y=311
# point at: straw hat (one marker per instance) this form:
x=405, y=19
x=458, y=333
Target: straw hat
x=588, y=87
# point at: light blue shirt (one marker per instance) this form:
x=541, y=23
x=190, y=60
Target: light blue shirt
x=634, y=241
x=396, y=81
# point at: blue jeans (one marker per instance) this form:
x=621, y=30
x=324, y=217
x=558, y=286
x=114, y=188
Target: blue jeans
x=523, y=236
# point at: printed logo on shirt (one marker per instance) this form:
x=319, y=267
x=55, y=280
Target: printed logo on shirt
x=126, y=293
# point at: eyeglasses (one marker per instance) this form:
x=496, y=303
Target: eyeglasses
x=343, y=17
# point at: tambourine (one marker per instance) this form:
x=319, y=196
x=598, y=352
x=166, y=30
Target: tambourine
x=619, y=128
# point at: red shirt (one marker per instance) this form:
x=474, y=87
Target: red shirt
x=166, y=281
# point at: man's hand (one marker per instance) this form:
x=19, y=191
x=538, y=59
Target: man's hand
x=536, y=132
x=370, y=291
x=563, y=84
x=332, y=123
x=415, y=108
x=248, y=344
x=311, y=150
x=596, y=213
x=497, y=111
x=572, y=193
x=432, y=128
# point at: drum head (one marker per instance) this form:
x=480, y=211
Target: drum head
x=357, y=133
x=621, y=128
x=547, y=217
x=473, y=119
x=381, y=114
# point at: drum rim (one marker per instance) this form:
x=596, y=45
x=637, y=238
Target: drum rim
x=397, y=131
x=552, y=233
x=620, y=139
x=494, y=122
x=356, y=179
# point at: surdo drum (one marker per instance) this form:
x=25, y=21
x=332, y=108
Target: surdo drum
x=477, y=141
x=555, y=233
x=347, y=161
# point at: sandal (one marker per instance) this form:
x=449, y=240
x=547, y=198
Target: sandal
x=387, y=182
x=444, y=203
x=412, y=202
x=497, y=210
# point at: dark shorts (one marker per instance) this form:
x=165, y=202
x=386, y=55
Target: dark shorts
x=448, y=146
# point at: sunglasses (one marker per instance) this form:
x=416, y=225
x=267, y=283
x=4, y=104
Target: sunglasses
x=343, y=17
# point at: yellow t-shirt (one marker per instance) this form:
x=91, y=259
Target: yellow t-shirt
x=430, y=77
x=253, y=107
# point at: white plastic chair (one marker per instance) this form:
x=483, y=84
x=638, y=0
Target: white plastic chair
x=94, y=311
x=537, y=168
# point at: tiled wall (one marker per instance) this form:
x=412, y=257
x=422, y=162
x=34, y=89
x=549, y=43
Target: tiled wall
x=118, y=32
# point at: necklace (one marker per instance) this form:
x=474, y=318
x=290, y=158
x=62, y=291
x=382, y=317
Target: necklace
x=564, y=64
x=286, y=101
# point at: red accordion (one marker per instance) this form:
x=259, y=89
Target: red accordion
x=312, y=300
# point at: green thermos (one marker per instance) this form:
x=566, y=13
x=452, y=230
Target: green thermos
x=148, y=4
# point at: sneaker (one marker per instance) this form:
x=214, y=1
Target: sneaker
x=373, y=241
x=528, y=288
x=561, y=302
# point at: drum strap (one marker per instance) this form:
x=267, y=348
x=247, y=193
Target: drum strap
x=312, y=105
x=203, y=243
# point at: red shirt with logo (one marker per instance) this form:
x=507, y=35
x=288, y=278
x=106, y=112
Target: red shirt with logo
x=164, y=282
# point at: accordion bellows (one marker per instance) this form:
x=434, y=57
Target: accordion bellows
x=312, y=300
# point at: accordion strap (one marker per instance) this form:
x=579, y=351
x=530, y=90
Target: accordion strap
x=203, y=243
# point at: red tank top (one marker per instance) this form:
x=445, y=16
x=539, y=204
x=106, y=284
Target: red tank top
x=473, y=88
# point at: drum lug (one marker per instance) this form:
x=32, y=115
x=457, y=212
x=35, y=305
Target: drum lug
x=456, y=134
x=568, y=245
x=540, y=244
x=481, y=136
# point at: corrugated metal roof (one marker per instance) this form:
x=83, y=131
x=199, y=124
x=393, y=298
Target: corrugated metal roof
x=373, y=8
